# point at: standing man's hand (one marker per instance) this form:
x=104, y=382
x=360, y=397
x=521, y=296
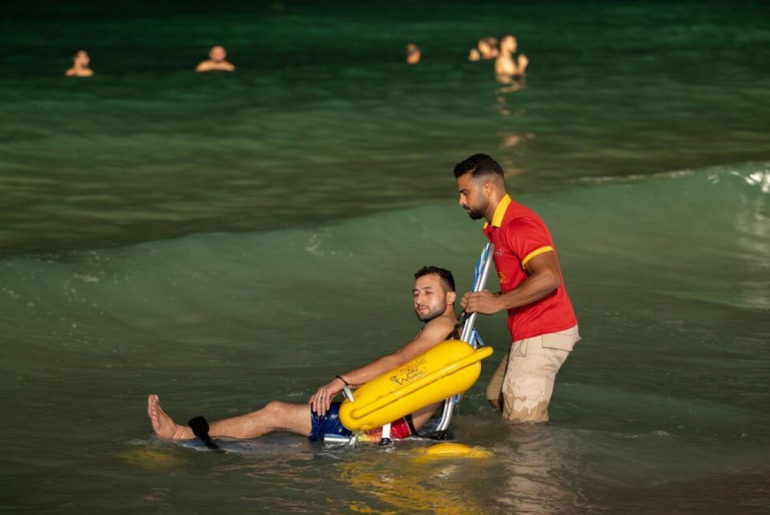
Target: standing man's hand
x=321, y=401
x=484, y=302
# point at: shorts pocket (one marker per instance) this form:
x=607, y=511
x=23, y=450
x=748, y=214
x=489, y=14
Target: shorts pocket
x=564, y=340
x=529, y=388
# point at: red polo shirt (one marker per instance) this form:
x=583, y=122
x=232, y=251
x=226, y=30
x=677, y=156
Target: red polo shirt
x=519, y=235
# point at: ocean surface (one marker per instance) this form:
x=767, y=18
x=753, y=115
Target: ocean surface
x=227, y=240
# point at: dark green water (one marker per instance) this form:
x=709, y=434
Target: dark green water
x=228, y=240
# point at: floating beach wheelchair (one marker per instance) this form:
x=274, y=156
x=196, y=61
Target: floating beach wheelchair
x=446, y=372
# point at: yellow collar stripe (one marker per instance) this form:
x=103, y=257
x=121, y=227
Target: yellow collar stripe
x=500, y=210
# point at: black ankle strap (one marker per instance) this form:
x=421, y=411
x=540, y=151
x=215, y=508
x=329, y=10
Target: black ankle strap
x=200, y=428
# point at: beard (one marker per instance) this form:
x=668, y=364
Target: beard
x=430, y=314
x=477, y=212
x=475, y=215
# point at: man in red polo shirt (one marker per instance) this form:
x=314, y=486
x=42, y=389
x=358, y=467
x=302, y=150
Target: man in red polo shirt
x=540, y=317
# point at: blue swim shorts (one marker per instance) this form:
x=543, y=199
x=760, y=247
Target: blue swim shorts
x=329, y=424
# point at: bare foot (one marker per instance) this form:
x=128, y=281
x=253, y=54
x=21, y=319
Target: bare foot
x=163, y=425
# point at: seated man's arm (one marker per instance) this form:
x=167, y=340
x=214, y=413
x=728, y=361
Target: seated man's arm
x=433, y=333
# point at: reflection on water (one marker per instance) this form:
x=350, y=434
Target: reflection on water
x=405, y=484
x=513, y=132
x=151, y=459
x=503, y=99
x=537, y=460
x=514, y=84
x=157, y=495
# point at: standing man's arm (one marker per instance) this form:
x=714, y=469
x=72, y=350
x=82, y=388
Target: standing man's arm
x=544, y=278
x=432, y=334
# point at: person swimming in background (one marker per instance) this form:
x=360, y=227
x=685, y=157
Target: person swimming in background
x=216, y=61
x=508, y=66
x=80, y=65
x=485, y=49
x=413, y=54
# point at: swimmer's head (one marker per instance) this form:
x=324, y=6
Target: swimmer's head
x=412, y=53
x=479, y=179
x=218, y=53
x=487, y=47
x=81, y=59
x=434, y=292
x=508, y=43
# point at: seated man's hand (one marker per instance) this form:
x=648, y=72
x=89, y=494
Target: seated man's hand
x=321, y=401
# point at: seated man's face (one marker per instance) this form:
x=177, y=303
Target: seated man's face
x=430, y=297
x=218, y=54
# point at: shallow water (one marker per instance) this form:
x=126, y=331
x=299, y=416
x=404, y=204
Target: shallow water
x=228, y=240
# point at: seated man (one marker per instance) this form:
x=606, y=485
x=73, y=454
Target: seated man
x=434, y=296
x=80, y=65
x=216, y=61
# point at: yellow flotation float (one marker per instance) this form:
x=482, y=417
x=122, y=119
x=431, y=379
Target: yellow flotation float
x=442, y=451
x=449, y=368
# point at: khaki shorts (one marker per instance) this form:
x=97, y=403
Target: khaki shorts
x=525, y=378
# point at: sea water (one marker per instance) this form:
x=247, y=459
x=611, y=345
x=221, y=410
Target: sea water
x=226, y=240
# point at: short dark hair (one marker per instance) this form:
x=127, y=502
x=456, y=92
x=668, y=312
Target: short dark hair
x=478, y=165
x=446, y=276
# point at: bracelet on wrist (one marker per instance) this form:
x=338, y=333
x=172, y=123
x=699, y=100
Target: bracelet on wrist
x=342, y=379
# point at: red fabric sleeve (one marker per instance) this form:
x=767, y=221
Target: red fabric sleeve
x=526, y=237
